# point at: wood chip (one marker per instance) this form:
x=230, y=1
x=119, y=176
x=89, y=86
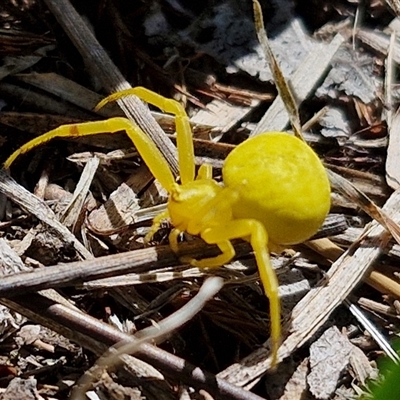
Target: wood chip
x=379, y=41
x=20, y=388
x=221, y=114
x=335, y=123
x=302, y=82
x=329, y=357
x=116, y=213
x=353, y=74
x=297, y=386
x=361, y=366
x=74, y=209
x=393, y=153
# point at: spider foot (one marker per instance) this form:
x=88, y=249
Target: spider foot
x=156, y=226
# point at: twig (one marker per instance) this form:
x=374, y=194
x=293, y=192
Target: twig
x=113, y=356
x=86, y=330
x=102, y=267
x=98, y=61
x=33, y=205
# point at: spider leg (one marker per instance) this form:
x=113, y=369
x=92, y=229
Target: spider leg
x=155, y=225
x=227, y=253
x=183, y=130
x=204, y=172
x=173, y=239
x=255, y=233
x=147, y=149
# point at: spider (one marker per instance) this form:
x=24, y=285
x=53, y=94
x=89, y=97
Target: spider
x=275, y=191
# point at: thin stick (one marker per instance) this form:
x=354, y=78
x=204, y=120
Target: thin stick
x=76, y=326
x=117, y=264
x=37, y=207
x=113, y=356
x=97, y=60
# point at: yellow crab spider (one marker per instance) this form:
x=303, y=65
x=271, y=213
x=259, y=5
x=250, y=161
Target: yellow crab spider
x=275, y=191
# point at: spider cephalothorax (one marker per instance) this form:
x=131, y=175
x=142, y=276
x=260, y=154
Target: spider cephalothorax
x=187, y=204
x=275, y=190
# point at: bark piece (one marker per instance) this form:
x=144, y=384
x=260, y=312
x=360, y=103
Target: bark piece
x=329, y=357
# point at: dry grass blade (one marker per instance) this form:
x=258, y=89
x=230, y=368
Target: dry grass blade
x=393, y=152
x=280, y=81
x=13, y=65
x=318, y=60
x=66, y=90
x=373, y=331
x=164, y=275
x=393, y=120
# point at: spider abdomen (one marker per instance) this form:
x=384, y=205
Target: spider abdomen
x=281, y=183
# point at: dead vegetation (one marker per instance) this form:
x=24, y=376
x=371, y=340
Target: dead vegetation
x=77, y=278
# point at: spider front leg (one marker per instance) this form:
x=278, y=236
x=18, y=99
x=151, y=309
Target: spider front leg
x=146, y=148
x=172, y=237
x=183, y=131
x=157, y=220
x=255, y=233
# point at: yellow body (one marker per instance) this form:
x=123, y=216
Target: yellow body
x=281, y=183
x=275, y=191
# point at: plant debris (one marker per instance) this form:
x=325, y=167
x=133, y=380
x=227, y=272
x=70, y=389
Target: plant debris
x=77, y=277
